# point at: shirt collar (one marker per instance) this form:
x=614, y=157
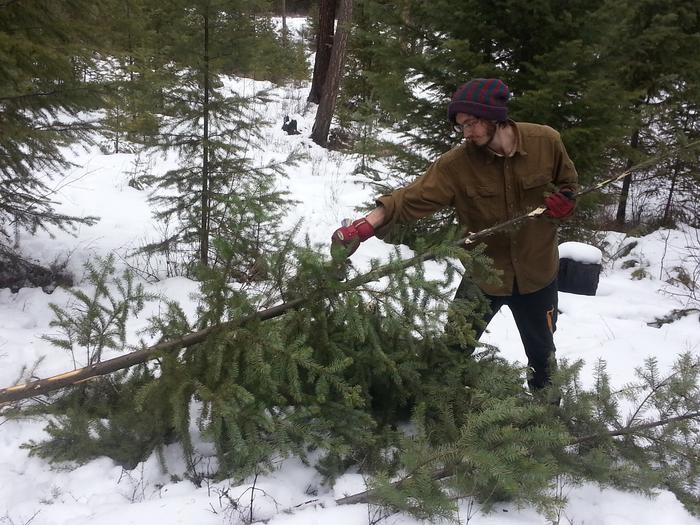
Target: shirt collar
x=519, y=148
x=519, y=143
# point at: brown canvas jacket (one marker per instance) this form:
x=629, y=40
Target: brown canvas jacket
x=486, y=189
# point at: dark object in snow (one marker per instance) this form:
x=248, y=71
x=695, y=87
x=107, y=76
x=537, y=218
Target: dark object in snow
x=578, y=277
x=290, y=126
x=340, y=139
x=17, y=272
x=579, y=268
x=675, y=315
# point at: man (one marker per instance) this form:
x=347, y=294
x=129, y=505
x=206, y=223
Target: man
x=502, y=170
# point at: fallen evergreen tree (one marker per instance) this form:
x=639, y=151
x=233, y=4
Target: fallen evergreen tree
x=366, y=378
x=351, y=372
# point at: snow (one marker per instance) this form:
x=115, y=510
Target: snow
x=580, y=252
x=611, y=325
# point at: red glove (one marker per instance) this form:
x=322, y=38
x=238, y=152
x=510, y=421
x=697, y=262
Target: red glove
x=349, y=236
x=560, y=204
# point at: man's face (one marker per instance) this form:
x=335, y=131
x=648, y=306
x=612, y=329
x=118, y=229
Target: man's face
x=475, y=130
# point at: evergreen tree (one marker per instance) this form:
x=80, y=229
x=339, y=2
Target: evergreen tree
x=666, y=192
x=321, y=377
x=299, y=7
x=97, y=322
x=49, y=82
x=211, y=127
x=139, y=54
x=148, y=53
x=679, y=176
x=411, y=57
x=654, y=58
x=595, y=71
x=339, y=376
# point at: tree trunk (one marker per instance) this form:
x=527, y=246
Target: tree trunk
x=666, y=219
x=324, y=46
x=326, y=107
x=204, y=233
x=626, y=183
x=129, y=43
x=285, y=30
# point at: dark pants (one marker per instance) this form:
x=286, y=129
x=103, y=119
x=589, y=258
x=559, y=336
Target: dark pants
x=535, y=315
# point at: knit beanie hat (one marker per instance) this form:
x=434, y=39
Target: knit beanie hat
x=484, y=98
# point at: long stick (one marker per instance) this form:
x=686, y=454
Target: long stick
x=627, y=431
x=50, y=384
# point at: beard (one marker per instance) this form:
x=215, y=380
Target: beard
x=484, y=140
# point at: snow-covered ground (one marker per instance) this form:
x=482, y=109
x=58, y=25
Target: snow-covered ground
x=611, y=325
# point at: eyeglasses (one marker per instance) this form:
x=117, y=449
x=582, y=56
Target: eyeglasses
x=466, y=126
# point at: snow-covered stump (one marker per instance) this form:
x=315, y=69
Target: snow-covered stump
x=579, y=268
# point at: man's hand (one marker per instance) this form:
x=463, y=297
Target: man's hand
x=560, y=204
x=346, y=239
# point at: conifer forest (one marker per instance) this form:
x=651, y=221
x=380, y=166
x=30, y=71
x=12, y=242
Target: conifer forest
x=180, y=340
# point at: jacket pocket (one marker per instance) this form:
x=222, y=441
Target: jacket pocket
x=533, y=189
x=484, y=208
x=536, y=180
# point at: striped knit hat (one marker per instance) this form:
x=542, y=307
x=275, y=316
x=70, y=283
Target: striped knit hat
x=484, y=98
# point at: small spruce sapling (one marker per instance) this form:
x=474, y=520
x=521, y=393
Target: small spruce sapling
x=96, y=320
